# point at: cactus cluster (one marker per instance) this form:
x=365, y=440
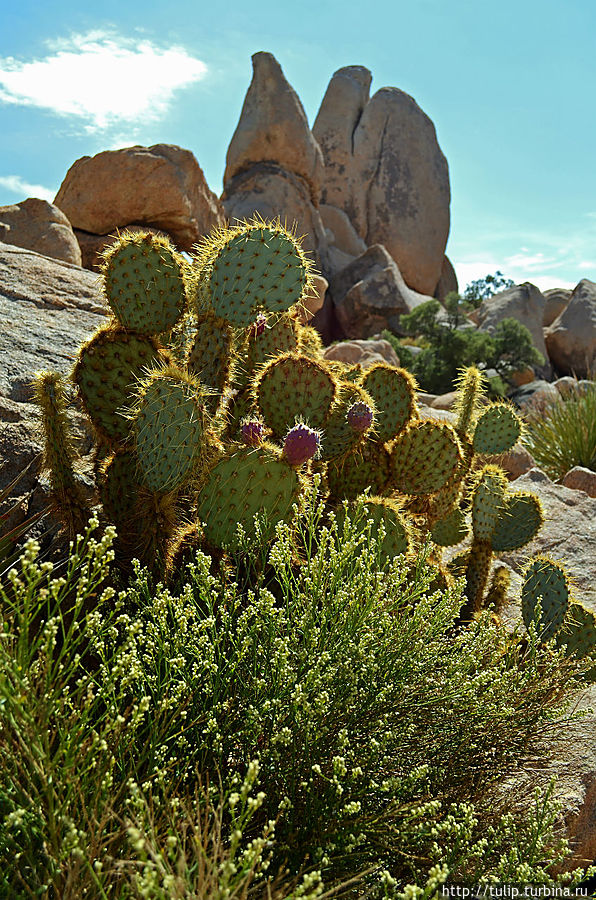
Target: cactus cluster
x=211, y=403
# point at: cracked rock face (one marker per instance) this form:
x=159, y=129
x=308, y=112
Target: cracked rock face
x=49, y=308
x=384, y=168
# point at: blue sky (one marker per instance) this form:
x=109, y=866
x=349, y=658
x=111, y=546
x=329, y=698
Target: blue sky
x=510, y=87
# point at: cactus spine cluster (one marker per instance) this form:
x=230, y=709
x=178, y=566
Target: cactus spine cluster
x=212, y=404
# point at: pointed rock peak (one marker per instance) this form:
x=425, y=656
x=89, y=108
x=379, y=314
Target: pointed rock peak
x=360, y=74
x=273, y=128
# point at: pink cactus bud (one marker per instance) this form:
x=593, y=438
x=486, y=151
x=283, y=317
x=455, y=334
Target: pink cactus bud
x=360, y=416
x=301, y=444
x=252, y=432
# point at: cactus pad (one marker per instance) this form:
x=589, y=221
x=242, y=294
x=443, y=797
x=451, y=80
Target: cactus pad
x=488, y=501
x=209, y=354
x=451, y=530
x=340, y=437
x=579, y=635
x=293, y=386
x=252, y=267
x=424, y=458
x=398, y=530
x=368, y=466
x=144, y=283
x=546, y=580
x=106, y=373
x=518, y=523
x=497, y=430
x=245, y=482
x=393, y=391
x=169, y=428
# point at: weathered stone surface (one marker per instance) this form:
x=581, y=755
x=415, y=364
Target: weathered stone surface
x=271, y=191
x=162, y=186
x=568, y=533
x=92, y=245
x=581, y=479
x=273, y=128
x=523, y=302
x=343, y=234
x=370, y=295
x=364, y=352
x=516, y=462
x=445, y=401
x=537, y=393
x=49, y=308
x=571, y=338
x=334, y=128
x=556, y=301
x=384, y=168
x=313, y=302
x=447, y=281
x=40, y=226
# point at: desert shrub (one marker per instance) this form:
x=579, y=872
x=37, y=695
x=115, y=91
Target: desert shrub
x=483, y=288
x=447, y=347
x=563, y=434
x=309, y=723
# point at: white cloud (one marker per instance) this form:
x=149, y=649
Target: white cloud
x=102, y=78
x=587, y=264
x=23, y=188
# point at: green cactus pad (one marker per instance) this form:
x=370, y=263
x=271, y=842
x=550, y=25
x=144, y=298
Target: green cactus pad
x=339, y=438
x=496, y=595
x=143, y=282
x=488, y=501
x=546, y=580
x=393, y=391
x=368, y=466
x=245, y=482
x=293, y=386
x=424, y=457
x=106, y=372
x=310, y=343
x=469, y=387
x=254, y=267
x=210, y=355
x=398, y=530
x=519, y=522
x=279, y=336
x=119, y=487
x=579, y=635
x=451, y=530
x=497, y=430
x=169, y=428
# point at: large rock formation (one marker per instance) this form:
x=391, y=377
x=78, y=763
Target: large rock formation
x=274, y=165
x=571, y=339
x=370, y=294
x=40, y=226
x=161, y=186
x=49, y=308
x=523, y=302
x=385, y=169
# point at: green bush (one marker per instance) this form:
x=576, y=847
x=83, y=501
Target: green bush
x=265, y=719
x=563, y=434
x=447, y=347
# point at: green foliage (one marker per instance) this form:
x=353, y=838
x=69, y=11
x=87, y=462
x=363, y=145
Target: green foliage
x=563, y=434
x=447, y=346
x=325, y=720
x=483, y=288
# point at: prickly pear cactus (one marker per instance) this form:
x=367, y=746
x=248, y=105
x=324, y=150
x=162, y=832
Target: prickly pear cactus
x=144, y=282
x=544, y=580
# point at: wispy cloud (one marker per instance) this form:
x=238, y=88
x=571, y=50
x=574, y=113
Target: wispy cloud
x=101, y=78
x=23, y=188
x=547, y=258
